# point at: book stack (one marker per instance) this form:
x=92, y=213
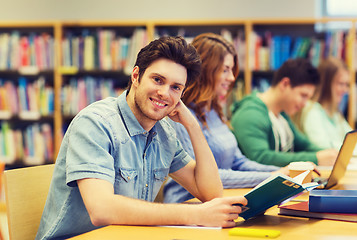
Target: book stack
x=325, y=204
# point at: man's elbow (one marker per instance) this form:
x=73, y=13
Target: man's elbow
x=98, y=220
x=99, y=217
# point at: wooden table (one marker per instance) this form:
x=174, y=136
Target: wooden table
x=291, y=227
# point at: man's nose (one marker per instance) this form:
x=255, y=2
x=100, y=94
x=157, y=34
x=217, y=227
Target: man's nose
x=163, y=90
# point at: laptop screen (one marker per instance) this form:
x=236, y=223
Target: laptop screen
x=343, y=158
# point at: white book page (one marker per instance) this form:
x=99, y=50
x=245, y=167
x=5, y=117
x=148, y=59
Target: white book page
x=300, y=178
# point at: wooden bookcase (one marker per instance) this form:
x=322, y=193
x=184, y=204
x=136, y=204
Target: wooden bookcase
x=27, y=92
x=68, y=71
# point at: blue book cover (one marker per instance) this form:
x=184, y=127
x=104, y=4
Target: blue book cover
x=333, y=201
x=276, y=52
x=24, y=101
x=285, y=49
x=274, y=190
x=296, y=48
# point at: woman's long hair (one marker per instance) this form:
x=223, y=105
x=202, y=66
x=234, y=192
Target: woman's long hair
x=328, y=70
x=201, y=95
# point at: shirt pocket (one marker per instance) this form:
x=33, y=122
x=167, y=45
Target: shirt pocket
x=126, y=182
x=160, y=176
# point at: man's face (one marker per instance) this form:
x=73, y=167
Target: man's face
x=297, y=97
x=159, y=90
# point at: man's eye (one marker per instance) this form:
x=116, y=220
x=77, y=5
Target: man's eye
x=156, y=79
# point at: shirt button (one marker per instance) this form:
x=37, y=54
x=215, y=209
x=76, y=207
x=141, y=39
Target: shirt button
x=128, y=178
x=144, y=154
x=146, y=185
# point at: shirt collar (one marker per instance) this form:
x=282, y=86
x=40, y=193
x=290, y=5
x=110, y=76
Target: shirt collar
x=130, y=121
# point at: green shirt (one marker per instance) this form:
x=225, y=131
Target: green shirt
x=253, y=130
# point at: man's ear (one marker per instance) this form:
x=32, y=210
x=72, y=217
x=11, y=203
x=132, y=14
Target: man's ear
x=135, y=76
x=285, y=82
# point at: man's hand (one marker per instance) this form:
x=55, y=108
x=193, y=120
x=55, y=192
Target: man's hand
x=220, y=212
x=182, y=114
x=326, y=157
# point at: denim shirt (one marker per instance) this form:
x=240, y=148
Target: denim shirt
x=105, y=141
x=235, y=169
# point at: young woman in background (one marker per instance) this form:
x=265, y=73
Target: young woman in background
x=321, y=120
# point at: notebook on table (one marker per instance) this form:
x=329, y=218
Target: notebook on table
x=343, y=159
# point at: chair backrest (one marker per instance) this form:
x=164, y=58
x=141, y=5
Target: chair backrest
x=2, y=167
x=26, y=191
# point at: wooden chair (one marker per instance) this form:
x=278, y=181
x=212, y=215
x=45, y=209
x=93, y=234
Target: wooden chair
x=26, y=191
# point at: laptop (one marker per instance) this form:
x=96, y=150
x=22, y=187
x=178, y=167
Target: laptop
x=343, y=159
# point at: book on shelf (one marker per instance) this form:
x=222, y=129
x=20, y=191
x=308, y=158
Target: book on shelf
x=301, y=209
x=272, y=191
x=34, y=97
x=33, y=49
x=102, y=49
x=333, y=201
x=33, y=144
x=80, y=92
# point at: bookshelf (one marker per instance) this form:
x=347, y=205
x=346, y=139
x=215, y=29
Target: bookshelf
x=85, y=56
x=27, y=63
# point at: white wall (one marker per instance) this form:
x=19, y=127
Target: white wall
x=12, y=10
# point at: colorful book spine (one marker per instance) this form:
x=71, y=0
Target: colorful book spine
x=80, y=92
x=35, y=97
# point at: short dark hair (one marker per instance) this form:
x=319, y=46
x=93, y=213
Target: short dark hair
x=175, y=49
x=300, y=71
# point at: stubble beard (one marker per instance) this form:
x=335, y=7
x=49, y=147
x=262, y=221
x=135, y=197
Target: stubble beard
x=142, y=111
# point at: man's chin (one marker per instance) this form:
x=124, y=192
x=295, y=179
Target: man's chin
x=156, y=117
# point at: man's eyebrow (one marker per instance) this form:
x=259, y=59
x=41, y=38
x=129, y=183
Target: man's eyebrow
x=158, y=75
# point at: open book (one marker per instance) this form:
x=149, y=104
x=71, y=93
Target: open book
x=274, y=190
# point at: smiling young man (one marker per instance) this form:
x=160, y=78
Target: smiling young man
x=117, y=153
x=261, y=124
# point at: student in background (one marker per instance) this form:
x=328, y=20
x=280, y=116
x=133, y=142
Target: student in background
x=117, y=152
x=218, y=76
x=321, y=119
x=261, y=123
